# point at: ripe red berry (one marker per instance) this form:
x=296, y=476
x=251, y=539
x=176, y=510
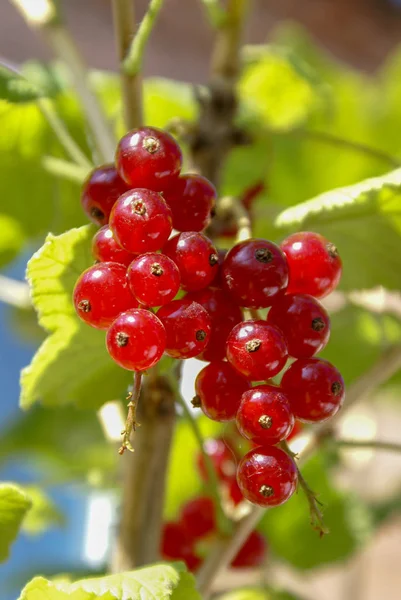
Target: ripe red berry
x=224, y=314
x=252, y=553
x=136, y=340
x=153, y=279
x=198, y=517
x=141, y=221
x=218, y=280
x=234, y=492
x=195, y=257
x=264, y=415
x=303, y=322
x=148, y=158
x=178, y=544
x=267, y=476
x=187, y=327
x=315, y=389
x=222, y=457
x=314, y=264
x=219, y=388
x=191, y=199
x=256, y=349
x=254, y=272
x=106, y=249
x=102, y=293
x=100, y=191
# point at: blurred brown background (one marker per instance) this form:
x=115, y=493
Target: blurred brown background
x=360, y=32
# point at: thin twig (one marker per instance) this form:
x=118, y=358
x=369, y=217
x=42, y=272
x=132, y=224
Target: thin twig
x=14, y=293
x=64, y=169
x=230, y=210
x=131, y=424
x=224, y=550
x=333, y=140
x=213, y=483
x=226, y=54
x=215, y=12
x=131, y=85
x=134, y=59
x=49, y=23
x=368, y=444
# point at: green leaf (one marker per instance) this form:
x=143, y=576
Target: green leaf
x=289, y=531
x=14, y=504
x=43, y=514
x=158, y=582
x=16, y=89
x=72, y=364
x=364, y=221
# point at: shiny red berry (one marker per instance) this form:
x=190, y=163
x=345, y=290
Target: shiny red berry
x=154, y=279
x=252, y=553
x=106, y=249
x=257, y=350
x=264, y=415
x=234, y=492
x=218, y=280
x=191, y=199
x=136, y=340
x=303, y=322
x=141, y=221
x=267, y=476
x=178, y=544
x=224, y=314
x=148, y=158
x=187, y=327
x=198, y=517
x=222, y=457
x=195, y=257
x=314, y=264
x=219, y=388
x=100, y=191
x=102, y=293
x=315, y=389
x=254, y=272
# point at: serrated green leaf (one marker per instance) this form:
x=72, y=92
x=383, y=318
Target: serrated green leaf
x=289, y=531
x=364, y=221
x=158, y=582
x=72, y=365
x=43, y=514
x=14, y=88
x=14, y=504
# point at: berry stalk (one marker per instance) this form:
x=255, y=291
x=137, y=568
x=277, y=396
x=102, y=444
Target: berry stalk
x=131, y=423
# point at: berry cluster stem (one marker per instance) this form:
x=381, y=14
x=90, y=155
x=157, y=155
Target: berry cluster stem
x=131, y=423
x=131, y=85
x=132, y=64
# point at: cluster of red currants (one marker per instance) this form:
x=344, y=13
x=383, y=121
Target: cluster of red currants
x=142, y=268
x=189, y=537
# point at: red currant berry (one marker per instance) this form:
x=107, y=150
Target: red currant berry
x=106, y=249
x=267, y=476
x=191, y=200
x=315, y=389
x=100, y=191
x=303, y=322
x=136, y=340
x=187, y=327
x=264, y=415
x=102, y=293
x=254, y=272
x=141, y=221
x=256, y=349
x=234, y=492
x=198, y=517
x=219, y=388
x=178, y=544
x=224, y=314
x=195, y=257
x=252, y=553
x=314, y=264
x=153, y=279
x=222, y=457
x=148, y=158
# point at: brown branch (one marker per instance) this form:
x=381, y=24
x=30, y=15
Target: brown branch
x=131, y=85
x=144, y=478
